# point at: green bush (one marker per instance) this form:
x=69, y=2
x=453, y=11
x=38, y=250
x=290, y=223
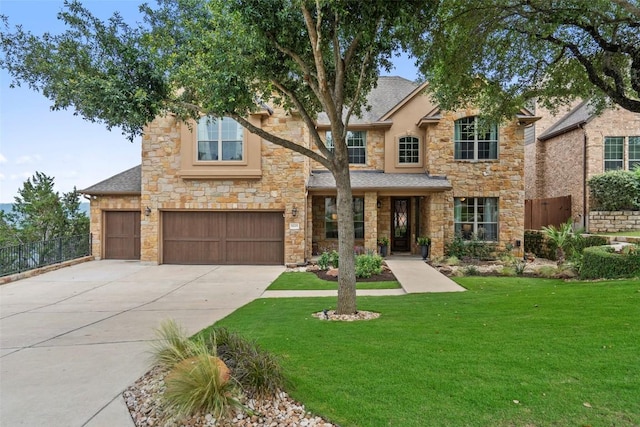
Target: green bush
x=368, y=265
x=615, y=190
x=474, y=248
x=256, y=370
x=601, y=262
x=536, y=243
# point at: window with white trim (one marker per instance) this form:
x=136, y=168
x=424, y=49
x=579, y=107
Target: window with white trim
x=219, y=138
x=356, y=146
x=621, y=152
x=408, y=150
x=476, y=216
x=475, y=139
x=331, y=217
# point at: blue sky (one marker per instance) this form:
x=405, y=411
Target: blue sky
x=71, y=150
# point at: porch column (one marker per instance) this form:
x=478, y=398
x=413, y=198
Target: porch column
x=440, y=221
x=371, y=221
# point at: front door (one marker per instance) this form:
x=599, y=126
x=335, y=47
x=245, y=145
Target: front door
x=400, y=227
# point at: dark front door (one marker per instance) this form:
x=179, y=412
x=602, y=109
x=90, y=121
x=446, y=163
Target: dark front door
x=400, y=227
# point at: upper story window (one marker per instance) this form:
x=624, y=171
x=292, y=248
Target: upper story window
x=475, y=140
x=614, y=152
x=219, y=138
x=476, y=216
x=408, y=150
x=356, y=146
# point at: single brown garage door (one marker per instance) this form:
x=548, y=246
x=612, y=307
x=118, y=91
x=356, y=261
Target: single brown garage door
x=223, y=238
x=122, y=235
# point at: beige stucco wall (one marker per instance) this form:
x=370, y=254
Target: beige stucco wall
x=280, y=186
x=107, y=203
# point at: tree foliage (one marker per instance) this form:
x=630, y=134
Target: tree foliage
x=499, y=54
x=226, y=58
x=41, y=213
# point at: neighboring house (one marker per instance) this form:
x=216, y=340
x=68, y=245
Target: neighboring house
x=213, y=193
x=570, y=147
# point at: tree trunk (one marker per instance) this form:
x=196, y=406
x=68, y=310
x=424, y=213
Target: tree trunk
x=347, y=275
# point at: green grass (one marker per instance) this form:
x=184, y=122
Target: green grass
x=509, y=352
x=305, y=281
x=634, y=233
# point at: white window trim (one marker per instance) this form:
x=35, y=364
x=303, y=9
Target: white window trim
x=220, y=141
x=476, y=224
x=400, y=164
x=330, y=146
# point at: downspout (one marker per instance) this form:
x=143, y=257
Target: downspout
x=585, y=174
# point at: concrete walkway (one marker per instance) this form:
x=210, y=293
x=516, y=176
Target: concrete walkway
x=415, y=276
x=73, y=339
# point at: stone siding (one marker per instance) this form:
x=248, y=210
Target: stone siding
x=280, y=188
x=107, y=203
x=502, y=178
x=613, y=221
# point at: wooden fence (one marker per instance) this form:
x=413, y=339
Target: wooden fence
x=540, y=213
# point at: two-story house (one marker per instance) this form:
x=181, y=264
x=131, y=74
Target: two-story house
x=213, y=193
x=574, y=144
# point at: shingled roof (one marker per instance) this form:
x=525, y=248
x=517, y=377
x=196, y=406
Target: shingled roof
x=581, y=114
x=363, y=180
x=127, y=182
x=391, y=90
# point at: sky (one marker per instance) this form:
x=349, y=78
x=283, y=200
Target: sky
x=75, y=152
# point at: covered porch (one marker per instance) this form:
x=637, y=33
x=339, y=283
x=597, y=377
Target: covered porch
x=400, y=207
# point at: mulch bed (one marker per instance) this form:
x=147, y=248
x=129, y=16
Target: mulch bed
x=386, y=276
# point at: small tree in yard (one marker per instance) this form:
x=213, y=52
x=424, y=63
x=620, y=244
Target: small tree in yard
x=221, y=57
x=41, y=213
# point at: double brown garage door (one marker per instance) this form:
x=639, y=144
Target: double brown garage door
x=223, y=238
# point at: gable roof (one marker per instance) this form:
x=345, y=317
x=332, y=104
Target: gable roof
x=389, y=92
x=361, y=180
x=581, y=114
x=127, y=182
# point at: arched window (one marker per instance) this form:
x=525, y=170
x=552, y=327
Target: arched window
x=475, y=139
x=408, y=150
x=219, y=138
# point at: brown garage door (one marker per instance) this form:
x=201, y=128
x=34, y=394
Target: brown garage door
x=223, y=238
x=122, y=235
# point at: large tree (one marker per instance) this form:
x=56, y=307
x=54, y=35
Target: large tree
x=225, y=58
x=499, y=54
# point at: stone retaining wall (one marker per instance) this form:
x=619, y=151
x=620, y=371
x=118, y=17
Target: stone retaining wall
x=613, y=221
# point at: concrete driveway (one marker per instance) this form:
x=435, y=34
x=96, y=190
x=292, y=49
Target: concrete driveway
x=73, y=339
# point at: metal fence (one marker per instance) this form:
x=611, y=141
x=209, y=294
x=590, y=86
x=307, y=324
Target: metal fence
x=27, y=256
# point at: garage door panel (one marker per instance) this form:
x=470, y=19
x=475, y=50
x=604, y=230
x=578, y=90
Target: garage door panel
x=223, y=238
x=192, y=252
x=122, y=235
x=259, y=253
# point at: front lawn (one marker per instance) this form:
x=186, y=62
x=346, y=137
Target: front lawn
x=509, y=352
x=306, y=281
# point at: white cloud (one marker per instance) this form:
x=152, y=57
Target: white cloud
x=1, y=176
x=3, y=159
x=21, y=176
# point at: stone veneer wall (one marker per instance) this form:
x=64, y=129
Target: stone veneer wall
x=374, y=156
x=281, y=186
x=502, y=178
x=613, y=221
x=107, y=203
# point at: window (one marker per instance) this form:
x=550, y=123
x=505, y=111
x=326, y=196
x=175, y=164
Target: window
x=356, y=146
x=613, y=153
x=219, y=139
x=408, y=150
x=331, y=217
x=476, y=216
x=634, y=152
x=475, y=140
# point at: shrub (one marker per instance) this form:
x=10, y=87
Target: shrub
x=471, y=270
x=474, y=248
x=452, y=260
x=256, y=370
x=507, y=271
x=547, y=271
x=536, y=243
x=334, y=258
x=172, y=345
x=601, y=262
x=368, y=265
x=197, y=384
x=328, y=259
x=615, y=190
